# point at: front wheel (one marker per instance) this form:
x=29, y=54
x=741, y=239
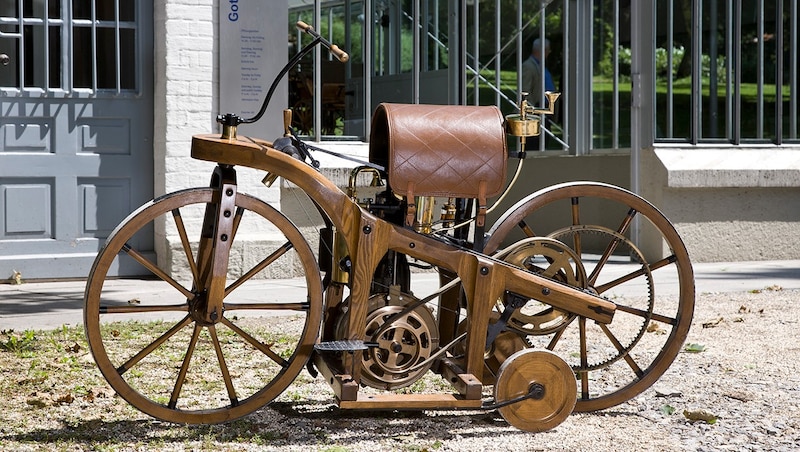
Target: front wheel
x=169, y=362
x=581, y=234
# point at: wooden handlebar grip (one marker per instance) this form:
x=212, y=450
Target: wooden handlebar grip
x=340, y=54
x=303, y=26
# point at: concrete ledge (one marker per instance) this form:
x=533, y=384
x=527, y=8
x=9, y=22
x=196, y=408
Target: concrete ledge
x=728, y=204
x=730, y=167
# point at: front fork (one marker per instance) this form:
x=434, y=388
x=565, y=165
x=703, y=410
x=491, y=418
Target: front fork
x=216, y=238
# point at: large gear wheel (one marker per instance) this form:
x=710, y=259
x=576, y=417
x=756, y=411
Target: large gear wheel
x=627, y=334
x=410, y=339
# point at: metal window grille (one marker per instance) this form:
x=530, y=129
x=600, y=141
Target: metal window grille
x=72, y=46
x=741, y=86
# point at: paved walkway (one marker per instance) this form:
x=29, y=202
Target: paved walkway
x=45, y=305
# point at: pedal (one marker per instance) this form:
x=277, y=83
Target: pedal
x=344, y=346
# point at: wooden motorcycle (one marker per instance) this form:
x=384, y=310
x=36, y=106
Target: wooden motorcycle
x=553, y=307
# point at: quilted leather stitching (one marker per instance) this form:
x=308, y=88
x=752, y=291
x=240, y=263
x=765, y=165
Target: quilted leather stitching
x=445, y=150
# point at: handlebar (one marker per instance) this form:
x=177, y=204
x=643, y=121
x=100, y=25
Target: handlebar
x=340, y=54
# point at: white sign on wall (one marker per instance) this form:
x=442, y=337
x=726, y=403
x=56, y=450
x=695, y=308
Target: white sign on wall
x=252, y=50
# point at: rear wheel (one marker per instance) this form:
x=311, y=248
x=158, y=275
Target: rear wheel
x=584, y=232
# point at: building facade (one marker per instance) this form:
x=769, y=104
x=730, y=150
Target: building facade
x=691, y=103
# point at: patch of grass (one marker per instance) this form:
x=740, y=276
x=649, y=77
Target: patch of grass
x=11, y=341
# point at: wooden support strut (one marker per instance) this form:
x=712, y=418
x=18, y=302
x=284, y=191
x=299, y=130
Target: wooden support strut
x=216, y=242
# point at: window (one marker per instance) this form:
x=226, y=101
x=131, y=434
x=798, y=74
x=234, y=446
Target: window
x=726, y=71
x=395, y=56
x=102, y=35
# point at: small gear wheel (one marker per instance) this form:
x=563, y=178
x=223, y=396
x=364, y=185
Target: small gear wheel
x=554, y=260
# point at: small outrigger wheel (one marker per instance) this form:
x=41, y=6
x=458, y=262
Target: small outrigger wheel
x=547, y=381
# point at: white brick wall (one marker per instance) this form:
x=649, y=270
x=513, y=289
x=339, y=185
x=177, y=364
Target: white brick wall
x=185, y=89
x=186, y=103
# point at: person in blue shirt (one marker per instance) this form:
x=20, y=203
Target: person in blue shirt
x=532, y=73
x=532, y=83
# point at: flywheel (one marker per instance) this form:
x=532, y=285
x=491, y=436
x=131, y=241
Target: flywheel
x=411, y=339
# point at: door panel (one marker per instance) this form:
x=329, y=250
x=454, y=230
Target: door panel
x=76, y=127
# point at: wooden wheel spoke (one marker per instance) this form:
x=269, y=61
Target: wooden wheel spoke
x=263, y=348
x=137, y=309
x=187, y=248
x=156, y=271
x=558, y=334
x=176, y=391
x=626, y=222
x=625, y=355
x=612, y=245
x=237, y=220
x=526, y=229
x=671, y=259
x=647, y=314
x=153, y=345
x=299, y=306
x=623, y=227
x=576, y=220
x=636, y=274
x=134, y=309
x=584, y=358
x=584, y=381
x=621, y=280
x=223, y=367
x=283, y=249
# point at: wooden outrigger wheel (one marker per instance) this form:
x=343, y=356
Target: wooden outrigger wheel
x=547, y=384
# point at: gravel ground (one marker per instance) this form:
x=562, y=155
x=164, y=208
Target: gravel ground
x=747, y=377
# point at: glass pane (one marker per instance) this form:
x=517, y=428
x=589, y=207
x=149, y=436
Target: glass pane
x=127, y=11
x=791, y=93
x=106, y=59
x=54, y=9
x=342, y=87
x=9, y=9
x=33, y=36
x=82, y=9
x=673, y=72
x=33, y=9
x=354, y=74
x=604, y=72
x=333, y=73
x=301, y=77
x=714, y=70
x=127, y=62
x=106, y=9
x=55, y=57
x=82, y=57
x=758, y=69
x=9, y=74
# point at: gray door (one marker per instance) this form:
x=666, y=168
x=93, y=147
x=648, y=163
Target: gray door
x=76, y=128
